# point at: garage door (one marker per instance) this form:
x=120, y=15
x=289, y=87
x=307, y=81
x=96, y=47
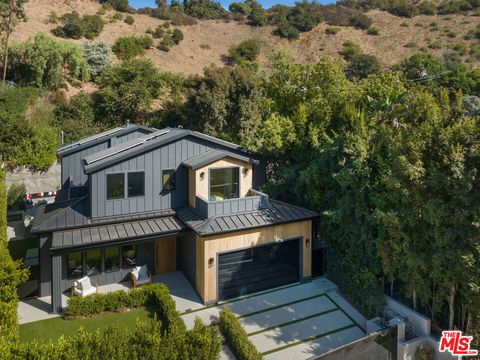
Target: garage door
x=257, y=268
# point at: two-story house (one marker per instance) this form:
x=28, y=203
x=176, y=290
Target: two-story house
x=171, y=199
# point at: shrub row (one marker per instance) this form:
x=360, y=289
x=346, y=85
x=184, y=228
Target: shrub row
x=236, y=336
x=10, y=277
x=156, y=295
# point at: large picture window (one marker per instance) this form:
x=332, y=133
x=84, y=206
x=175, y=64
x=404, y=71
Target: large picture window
x=74, y=265
x=136, y=184
x=93, y=262
x=168, y=180
x=112, y=258
x=224, y=184
x=129, y=256
x=115, y=186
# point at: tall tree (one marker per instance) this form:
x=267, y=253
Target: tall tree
x=11, y=12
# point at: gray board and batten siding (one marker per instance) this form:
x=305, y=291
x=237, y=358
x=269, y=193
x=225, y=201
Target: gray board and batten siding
x=167, y=156
x=73, y=154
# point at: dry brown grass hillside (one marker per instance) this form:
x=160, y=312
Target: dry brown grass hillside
x=192, y=55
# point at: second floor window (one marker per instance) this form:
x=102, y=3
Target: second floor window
x=168, y=180
x=224, y=184
x=115, y=186
x=136, y=184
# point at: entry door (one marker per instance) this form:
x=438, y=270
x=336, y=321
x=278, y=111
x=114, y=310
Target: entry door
x=165, y=255
x=257, y=268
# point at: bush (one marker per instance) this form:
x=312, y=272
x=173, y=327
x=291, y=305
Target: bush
x=129, y=20
x=471, y=105
x=427, y=8
x=89, y=26
x=205, y=46
x=117, y=17
x=285, y=30
x=127, y=90
x=15, y=196
x=361, y=66
x=47, y=63
x=360, y=21
x=204, y=9
x=131, y=46
x=424, y=353
x=76, y=118
x=373, y=31
x=332, y=30
x=239, y=8
x=177, y=36
x=435, y=44
x=98, y=59
x=402, y=8
x=159, y=32
x=236, y=337
x=349, y=50
x=166, y=43
x=246, y=51
x=257, y=15
x=119, y=5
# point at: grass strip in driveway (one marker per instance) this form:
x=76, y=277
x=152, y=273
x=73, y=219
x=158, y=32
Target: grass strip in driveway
x=282, y=305
x=310, y=338
x=291, y=322
x=345, y=313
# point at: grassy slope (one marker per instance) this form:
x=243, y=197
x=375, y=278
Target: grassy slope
x=190, y=58
x=45, y=330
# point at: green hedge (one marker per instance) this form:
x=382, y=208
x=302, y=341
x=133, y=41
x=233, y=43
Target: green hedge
x=10, y=277
x=156, y=295
x=236, y=337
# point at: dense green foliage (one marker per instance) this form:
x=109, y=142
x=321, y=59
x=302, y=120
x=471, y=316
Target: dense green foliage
x=129, y=20
x=361, y=66
x=127, y=90
x=203, y=9
x=44, y=62
x=236, y=336
x=129, y=47
x=76, y=27
x=10, y=277
x=26, y=141
x=15, y=196
x=119, y=5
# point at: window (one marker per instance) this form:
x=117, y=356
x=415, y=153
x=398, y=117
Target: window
x=168, y=180
x=224, y=183
x=129, y=256
x=136, y=184
x=93, y=262
x=115, y=186
x=112, y=258
x=74, y=265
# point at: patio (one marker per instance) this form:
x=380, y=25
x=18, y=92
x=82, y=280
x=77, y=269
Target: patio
x=186, y=299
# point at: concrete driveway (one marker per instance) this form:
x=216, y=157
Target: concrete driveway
x=297, y=321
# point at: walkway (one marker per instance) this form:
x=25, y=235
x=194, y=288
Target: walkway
x=297, y=321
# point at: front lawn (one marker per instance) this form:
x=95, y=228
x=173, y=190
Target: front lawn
x=53, y=328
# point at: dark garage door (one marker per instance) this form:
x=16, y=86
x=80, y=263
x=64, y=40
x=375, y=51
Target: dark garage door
x=257, y=268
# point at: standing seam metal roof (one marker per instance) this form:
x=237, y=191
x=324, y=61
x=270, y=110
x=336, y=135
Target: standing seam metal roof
x=210, y=156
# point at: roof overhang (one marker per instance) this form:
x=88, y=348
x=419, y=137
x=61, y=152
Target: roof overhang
x=211, y=156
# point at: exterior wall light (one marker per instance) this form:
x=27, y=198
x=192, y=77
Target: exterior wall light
x=202, y=175
x=210, y=262
x=245, y=171
x=307, y=242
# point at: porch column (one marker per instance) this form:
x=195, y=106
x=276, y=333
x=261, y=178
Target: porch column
x=56, y=281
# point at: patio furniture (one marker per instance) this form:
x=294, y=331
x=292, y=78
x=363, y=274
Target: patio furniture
x=140, y=276
x=84, y=287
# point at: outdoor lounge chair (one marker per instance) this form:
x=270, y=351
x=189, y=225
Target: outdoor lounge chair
x=140, y=276
x=84, y=287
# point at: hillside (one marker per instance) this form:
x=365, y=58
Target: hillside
x=216, y=36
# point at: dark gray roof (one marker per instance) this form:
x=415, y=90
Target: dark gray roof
x=140, y=145
x=124, y=231
x=277, y=212
x=213, y=155
x=94, y=139
x=75, y=214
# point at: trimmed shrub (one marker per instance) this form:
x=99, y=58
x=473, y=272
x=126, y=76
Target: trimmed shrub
x=373, y=31
x=129, y=20
x=177, y=36
x=236, y=336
